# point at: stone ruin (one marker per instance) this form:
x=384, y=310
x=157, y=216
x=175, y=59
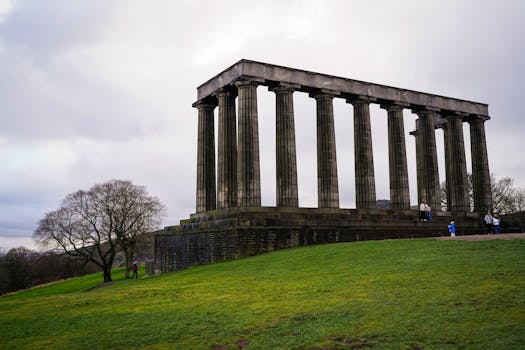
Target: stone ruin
x=230, y=222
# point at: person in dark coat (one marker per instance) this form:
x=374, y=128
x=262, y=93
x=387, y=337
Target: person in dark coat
x=135, y=269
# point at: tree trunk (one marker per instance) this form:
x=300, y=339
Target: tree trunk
x=107, y=264
x=129, y=252
x=128, y=265
x=107, y=274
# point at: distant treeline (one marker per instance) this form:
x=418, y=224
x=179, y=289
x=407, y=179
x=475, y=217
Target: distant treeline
x=22, y=268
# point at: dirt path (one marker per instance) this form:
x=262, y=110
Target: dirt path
x=98, y=286
x=485, y=237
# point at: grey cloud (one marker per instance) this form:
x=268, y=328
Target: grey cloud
x=48, y=27
x=49, y=105
x=142, y=127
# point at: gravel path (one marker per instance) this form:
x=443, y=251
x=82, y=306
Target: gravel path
x=486, y=237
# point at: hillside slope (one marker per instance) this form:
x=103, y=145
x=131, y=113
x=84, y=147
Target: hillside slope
x=412, y=294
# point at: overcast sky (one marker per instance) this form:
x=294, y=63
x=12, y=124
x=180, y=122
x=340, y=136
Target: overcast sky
x=96, y=90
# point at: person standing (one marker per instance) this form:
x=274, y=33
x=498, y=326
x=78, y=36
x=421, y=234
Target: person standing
x=422, y=212
x=428, y=212
x=495, y=224
x=488, y=222
x=135, y=268
x=452, y=229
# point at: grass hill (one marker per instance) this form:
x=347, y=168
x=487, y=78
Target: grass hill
x=397, y=294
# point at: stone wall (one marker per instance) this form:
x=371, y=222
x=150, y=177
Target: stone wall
x=513, y=222
x=175, y=250
x=230, y=234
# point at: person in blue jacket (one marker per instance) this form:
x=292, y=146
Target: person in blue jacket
x=495, y=224
x=452, y=229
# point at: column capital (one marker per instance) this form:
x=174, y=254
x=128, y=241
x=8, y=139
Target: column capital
x=425, y=110
x=204, y=105
x=284, y=87
x=454, y=114
x=394, y=106
x=361, y=100
x=476, y=117
x=225, y=91
x=324, y=94
x=248, y=82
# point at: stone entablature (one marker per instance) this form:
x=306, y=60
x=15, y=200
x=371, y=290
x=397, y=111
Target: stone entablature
x=310, y=82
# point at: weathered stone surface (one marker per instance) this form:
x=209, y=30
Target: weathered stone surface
x=311, y=82
x=327, y=182
x=232, y=233
x=286, y=164
x=397, y=158
x=427, y=158
x=480, y=166
x=448, y=165
x=365, y=186
x=227, y=149
x=248, y=168
x=205, y=159
x=419, y=163
x=241, y=227
x=456, y=166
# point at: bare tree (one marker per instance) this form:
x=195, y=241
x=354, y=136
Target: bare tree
x=443, y=194
x=16, y=269
x=503, y=195
x=506, y=198
x=91, y=225
x=519, y=200
x=133, y=213
x=22, y=268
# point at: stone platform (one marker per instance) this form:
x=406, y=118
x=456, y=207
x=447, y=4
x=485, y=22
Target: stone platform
x=232, y=233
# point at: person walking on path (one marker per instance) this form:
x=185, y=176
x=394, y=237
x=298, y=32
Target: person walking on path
x=135, y=268
x=452, y=229
x=495, y=224
x=422, y=212
x=428, y=212
x=488, y=222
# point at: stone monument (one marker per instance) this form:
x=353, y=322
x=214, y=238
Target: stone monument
x=230, y=222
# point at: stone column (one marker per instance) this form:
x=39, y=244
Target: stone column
x=286, y=163
x=480, y=165
x=227, y=151
x=448, y=166
x=430, y=190
x=205, y=158
x=248, y=169
x=327, y=184
x=419, y=172
x=397, y=158
x=365, y=188
x=457, y=192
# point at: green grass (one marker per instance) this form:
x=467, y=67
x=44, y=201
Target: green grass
x=398, y=294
